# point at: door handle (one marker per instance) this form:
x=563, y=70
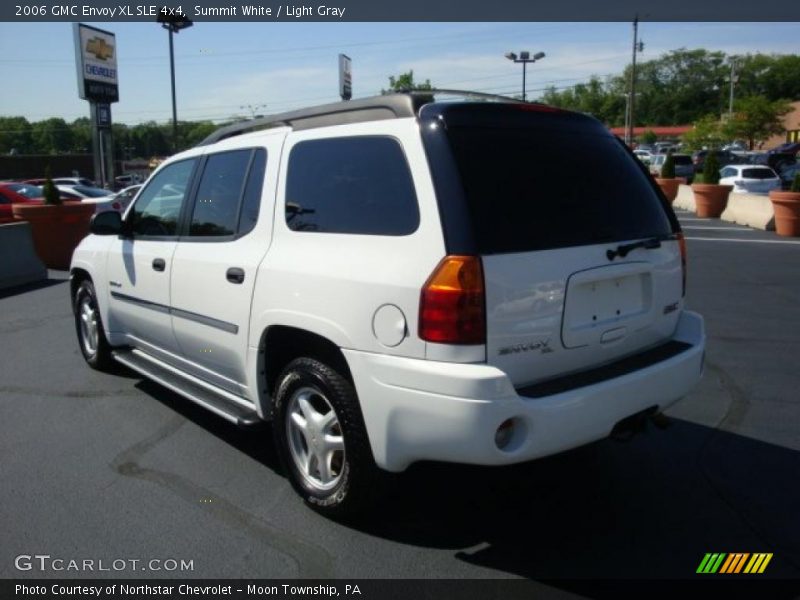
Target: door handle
x=159, y=264
x=235, y=275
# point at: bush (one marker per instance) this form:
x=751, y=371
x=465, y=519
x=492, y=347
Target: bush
x=51, y=195
x=711, y=168
x=668, y=169
x=796, y=183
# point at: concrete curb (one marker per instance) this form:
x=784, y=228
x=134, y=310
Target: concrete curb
x=685, y=199
x=750, y=209
x=19, y=263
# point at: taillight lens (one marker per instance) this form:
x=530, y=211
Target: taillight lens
x=452, y=308
x=682, y=246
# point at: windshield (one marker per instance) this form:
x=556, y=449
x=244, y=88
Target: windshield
x=91, y=192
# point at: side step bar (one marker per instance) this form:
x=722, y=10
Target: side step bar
x=228, y=406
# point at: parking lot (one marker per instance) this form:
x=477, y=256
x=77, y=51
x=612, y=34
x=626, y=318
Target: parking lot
x=109, y=466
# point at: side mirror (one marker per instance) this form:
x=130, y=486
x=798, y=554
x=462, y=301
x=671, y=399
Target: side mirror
x=108, y=222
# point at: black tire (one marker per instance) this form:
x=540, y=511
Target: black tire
x=97, y=353
x=359, y=479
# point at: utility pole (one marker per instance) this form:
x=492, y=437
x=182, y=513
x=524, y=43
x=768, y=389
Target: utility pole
x=733, y=83
x=637, y=47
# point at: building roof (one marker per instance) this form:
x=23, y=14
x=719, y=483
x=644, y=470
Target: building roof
x=661, y=130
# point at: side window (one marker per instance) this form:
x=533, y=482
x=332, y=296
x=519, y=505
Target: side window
x=359, y=185
x=252, y=193
x=728, y=172
x=158, y=207
x=216, y=208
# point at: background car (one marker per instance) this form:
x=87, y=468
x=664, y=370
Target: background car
x=126, y=196
x=12, y=192
x=102, y=199
x=643, y=155
x=787, y=148
x=724, y=158
x=683, y=165
x=750, y=179
x=774, y=160
x=63, y=181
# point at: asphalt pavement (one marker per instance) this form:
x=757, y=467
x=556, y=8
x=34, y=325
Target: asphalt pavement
x=109, y=466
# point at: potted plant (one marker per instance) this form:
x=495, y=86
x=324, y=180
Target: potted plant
x=710, y=197
x=666, y=180
x=56, y=227
x=787, y=209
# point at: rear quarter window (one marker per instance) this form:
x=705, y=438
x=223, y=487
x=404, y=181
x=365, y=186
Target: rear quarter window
x=358, y=185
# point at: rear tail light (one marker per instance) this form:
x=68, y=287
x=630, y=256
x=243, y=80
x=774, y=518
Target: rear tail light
x=682, y=246
x=452, y=308
x=116, y=206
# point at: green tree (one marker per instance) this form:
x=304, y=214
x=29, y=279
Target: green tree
x=50, y=192
x=81, y=135
x=756, y=118
x=52, y=136
x=649, y=137
x=706, y=133
x=15, y=135
x=405, y=81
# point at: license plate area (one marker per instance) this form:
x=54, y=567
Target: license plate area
x=604, y=304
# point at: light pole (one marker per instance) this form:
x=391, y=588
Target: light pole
x=524, y=58
x=637, y=47
x=173, y=23
x=734, y=81
x=253, y=108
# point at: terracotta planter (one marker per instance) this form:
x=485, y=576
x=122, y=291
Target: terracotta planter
x=56, y=230
x=787, y=212
x=669, y=187
x=710, y=199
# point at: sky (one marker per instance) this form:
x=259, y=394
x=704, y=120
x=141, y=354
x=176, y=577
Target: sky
x=226, y=70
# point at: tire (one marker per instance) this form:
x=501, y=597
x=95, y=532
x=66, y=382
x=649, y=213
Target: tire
x=89, y=327
x=330, y=463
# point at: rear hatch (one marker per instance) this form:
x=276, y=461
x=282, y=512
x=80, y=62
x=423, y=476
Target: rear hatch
x=581, y=260
x=759, y=180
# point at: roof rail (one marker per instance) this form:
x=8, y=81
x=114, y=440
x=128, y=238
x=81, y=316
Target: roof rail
x=397, y=105
x=376, y=108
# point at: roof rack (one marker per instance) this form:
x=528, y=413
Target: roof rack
x=404, y=103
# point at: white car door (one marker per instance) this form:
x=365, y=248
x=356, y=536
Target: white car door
x=139, y=262
x=214, y=266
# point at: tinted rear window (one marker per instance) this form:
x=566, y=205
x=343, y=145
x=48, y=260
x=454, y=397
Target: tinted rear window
x=682, y=160
x=758, y=174
x=545, y=186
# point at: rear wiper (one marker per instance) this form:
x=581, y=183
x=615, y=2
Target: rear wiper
x=623, y=249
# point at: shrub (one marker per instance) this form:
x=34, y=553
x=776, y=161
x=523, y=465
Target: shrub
x=711, y=168
x=51, y=195
x=668, y=169
x=796, y=183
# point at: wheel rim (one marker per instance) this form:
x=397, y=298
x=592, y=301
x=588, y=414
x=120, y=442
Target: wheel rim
x=315, y=438
x=89, y=326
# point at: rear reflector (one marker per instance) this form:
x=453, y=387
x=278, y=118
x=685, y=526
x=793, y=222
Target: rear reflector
x=452, y=308
x=682, y=246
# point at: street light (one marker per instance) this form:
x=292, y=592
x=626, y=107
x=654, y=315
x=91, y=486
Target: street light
x=253, y=108
x=173, y=23
x=524, y=58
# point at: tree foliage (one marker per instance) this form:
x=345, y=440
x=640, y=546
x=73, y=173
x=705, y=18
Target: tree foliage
x=756, y=118
x=405, y=81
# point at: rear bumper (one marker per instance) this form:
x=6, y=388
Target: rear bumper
x=426, y=410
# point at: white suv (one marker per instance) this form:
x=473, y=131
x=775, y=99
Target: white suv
x=395, y=279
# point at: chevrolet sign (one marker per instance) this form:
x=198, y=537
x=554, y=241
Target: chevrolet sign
x=96, y=64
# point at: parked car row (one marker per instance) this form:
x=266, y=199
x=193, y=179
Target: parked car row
x=69, y=189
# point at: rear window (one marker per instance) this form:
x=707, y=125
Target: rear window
x=759, y=173
x=682, y=159
x=546, y=186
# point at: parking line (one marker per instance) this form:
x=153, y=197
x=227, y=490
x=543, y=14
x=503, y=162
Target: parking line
x=708, y=239
x=718, y=228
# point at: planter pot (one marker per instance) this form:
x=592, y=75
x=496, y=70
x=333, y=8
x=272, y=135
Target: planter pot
x=669, y=187
x=787, y=212
x=56, y=230
x=710, y=199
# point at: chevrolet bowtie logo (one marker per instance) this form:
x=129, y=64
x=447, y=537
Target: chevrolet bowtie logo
x=100, y=48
